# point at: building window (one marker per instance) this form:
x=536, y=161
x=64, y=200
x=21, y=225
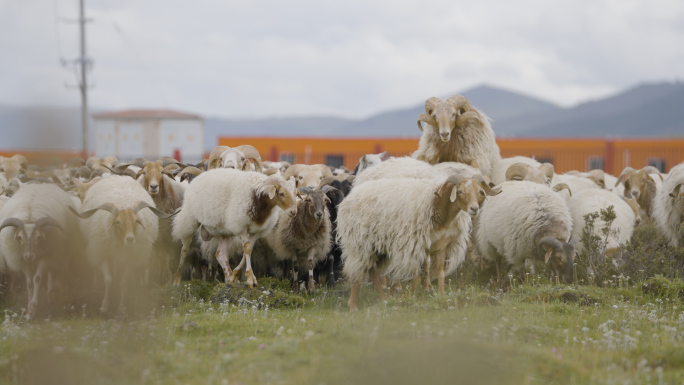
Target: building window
x=658, y=163
x=334, y=160
x=594, y=162
x=289, y=158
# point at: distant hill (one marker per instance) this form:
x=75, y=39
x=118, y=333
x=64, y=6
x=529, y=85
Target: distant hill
x=646, y=110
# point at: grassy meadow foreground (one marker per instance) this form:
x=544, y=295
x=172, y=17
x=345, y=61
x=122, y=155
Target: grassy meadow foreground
x=612, y=330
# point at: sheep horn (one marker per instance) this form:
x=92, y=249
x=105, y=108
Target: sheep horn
x=676, y=190
x=251, y=153
x=598, y=176
x=48, y=221
x=547, y=169
x=625, y=174
x=519, y=169
x=326, y=181
x=455, y=179
x=305, y=190
x=427, y=119
x=189, y=173
x=270, y=171
x=138, y=162
x=15, y=222
x=96, y=172
x=562, y=186
x=573, y=240
x=488, y=190
x=573, y=172
x=652, y=170
x=167, y=160
x=328, y=188
x=202, y=165
x=551, y=242
x=87, y=214
x=474, y=164
x=144, y=205
x=469, y=118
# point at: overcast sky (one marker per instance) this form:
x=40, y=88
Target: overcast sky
x=346, y=58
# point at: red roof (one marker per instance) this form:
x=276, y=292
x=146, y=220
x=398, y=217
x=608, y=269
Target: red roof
x=146, y=114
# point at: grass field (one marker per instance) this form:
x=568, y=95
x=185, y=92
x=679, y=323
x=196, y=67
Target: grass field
x=533, y=333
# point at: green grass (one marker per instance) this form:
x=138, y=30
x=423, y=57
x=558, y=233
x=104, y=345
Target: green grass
x=534, y=333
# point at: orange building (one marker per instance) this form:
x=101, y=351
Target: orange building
x=566, y=154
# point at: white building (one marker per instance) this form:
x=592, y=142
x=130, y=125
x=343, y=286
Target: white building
x=150, y=134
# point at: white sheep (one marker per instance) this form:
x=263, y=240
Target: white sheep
x=119, y=232
x=307, y=175
x=594, y=200
x=396, y=224
x=527, y=220
x=669, y=205
x=456, y=132
x=35, y=232
x=228, y=203
x=406, y=167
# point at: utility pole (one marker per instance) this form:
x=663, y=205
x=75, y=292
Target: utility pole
x=83, y=83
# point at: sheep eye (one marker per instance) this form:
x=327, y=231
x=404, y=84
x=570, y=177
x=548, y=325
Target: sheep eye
x=459, y=192
x=482, y=193
x=301, y=177
x=281, y=194
x=462, y=111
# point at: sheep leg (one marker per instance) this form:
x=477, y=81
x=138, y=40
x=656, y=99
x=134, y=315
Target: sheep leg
x=183, y=254
x=375, y=278
x=29, y=282
x=330, y=279
x=295, y=275
x=427, y=266
x=37, y=281
x=439, y=260
x=222, y=258
x=354, y=294
x=124, y=288
x=247, y=247
x=108, y=286
x=415, y=284
x=396, y=286
x=310, y=266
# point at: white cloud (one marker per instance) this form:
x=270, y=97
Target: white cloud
x=352, y=58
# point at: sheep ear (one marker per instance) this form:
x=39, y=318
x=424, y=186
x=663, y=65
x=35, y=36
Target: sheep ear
x=454, y=193
x=676, y=190
x=271, y=191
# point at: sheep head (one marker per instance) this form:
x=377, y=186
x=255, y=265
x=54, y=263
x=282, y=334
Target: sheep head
x=189, y=173
x=459, y=193
x=124, y=222
x=559, y=257
x=281, y=192
x=14, y=166
x=214, y=160
x=597, y=176
x=369, y=160
x=523, y=171
x=637, y=182
x=306, y=175
x=30, y=236
x=454, y=113
x=314, y=202
x=152, y=175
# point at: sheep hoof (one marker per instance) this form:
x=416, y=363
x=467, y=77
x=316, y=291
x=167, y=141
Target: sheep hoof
x=250, y=279
x=233, y=277
x=177, y=279
x=31, y=313
x=312, y=285
x=353, y=308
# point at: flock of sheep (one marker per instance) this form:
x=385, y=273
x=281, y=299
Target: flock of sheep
x=392, y=220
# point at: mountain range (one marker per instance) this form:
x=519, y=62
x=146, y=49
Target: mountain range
x=646, y=110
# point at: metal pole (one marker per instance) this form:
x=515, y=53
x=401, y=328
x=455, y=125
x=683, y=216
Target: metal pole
x=84, y=83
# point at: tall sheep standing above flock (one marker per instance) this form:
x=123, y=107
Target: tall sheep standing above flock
x=456, y=132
